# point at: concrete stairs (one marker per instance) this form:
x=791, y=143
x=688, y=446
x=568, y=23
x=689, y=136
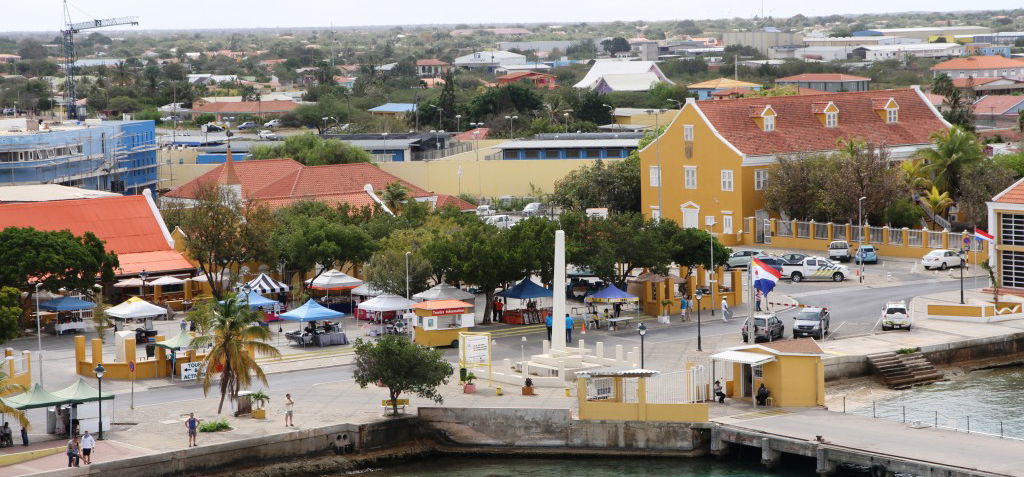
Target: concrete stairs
x=904, y=370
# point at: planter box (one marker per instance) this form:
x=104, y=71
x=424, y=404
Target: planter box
x=259, y=413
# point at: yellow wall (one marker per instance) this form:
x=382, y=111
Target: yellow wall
x=793, y=381
x=490, y=178
x=145, y=368
x=174, y=174
x=615, y=410
x=24, y=378
x=19, y=457
x=710, y=155
x=647, y=119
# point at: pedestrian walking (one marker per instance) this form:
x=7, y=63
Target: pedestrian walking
x=192, y=425
x=568, y=329
x=289, y=411
x=547, y=322
x=184, y=325
x=726, y=312
x=683, y=305
x=24, y=437
x=618, y=309
x=757, y=300
x=88, y=443
x=74, y=452
x=499, y=308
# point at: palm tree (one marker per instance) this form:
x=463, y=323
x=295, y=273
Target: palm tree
x=937, y=202
x=7, y=388
x=395, y=194
x=915, y=175
x=954, y=150
x=234, y=331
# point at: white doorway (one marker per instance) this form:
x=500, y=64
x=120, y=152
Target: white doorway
x=726, y=224
x=691, y=215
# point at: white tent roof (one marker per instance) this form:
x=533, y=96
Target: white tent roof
x=602, y=68
x=264, y=284
x=387, y=302
x=129, y=283
x=744, y=357
x=629, y=82
x=366, y=290
x=136, y=309
x=224, y=276
x=334, y=280
x=444, y=291
x=167, y=280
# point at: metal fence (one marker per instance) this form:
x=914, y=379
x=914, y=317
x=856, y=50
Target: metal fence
x=935, y=239
x=923, y=418
x=821, y=231
x=432, y=154
x=876, y=235
x=915, y=239
x=838, y=232
x=803, y=230
x=856, y=233
x=896, y=236
x=784, y=228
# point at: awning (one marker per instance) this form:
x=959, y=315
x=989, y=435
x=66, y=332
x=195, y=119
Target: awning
x=444, y=291
x=611, y=294
x=311, y=311
x=166, y=281
x=130, y=283
x=333, y=280
x=527, y=289
x=136, y=308
x=67, y=303
x=158, y=261
x=80, y=392
x=387, y=303
x=182, y=341
x=256, y=300
x=366, y=290
x=743, y=357
x=34, y=398
x=443, y=307
x=265, y=284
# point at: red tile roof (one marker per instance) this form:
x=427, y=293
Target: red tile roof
x=469, y=136
x=802, y=346
x=797, y=129
x=987, y=62
x=968, y=82
x=522, y=74
x=996, y=104
x=253, y=175
x=431, y=62
x=444, y=200
x=807, y=91
x=248, y=107
x=821, y=77
x=1012, y=195
x=127, y=225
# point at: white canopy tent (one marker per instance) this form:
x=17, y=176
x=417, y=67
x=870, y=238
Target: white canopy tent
x=223, y=276
x=444, y=291
x=130, y=283
x=366, y=290
x=136, y=308
x=384, y=303
x=333, y=280
x=166, y=281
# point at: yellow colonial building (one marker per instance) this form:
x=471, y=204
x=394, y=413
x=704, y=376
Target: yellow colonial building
x=713, y=161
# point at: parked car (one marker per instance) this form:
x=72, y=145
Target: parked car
x=248, y=125
x=766, y=327
x=896, y=315
x=811, y=321
x=867, y=254
x=210, y=127
x=815, y=268
x=533, y=208
x=773, y=262
x=273, y=123
x=500, y=221
x=942, y=259
x=794, y=258
x=483, y=210
x=839, y=250
x=172, y=118
x=741, y=258
x=268, y=135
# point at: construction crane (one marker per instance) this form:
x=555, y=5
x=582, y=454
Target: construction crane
x=68, y=35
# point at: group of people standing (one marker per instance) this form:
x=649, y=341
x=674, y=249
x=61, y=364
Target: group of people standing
x=80, y=449
x=684, y=305
x=549, y=322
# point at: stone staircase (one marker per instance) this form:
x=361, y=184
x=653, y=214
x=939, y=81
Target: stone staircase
x=904, y=370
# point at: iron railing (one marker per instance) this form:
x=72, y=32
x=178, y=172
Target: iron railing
x=803, y=230
x=935, y=239
x=896, y=236
x=838, y=231
x=821, y=231
x=915, y=238
x=923, y=418
x=876, y=235
x=784, y=228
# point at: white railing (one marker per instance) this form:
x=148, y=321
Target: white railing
x=803, y=230
x=896, y=236
x=915, y=238
x=876, y=235
x=935, y=239
x=838, y=231
x=821, y=231
x=855, y=233
x=784, y=228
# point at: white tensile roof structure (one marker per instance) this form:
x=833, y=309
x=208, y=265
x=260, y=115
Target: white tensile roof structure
x=602, y=68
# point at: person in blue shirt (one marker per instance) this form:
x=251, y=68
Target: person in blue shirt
x=568, y=329
x=547, y=321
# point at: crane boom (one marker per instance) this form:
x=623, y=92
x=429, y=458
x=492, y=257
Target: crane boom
x=77, y=27
x=68, y=35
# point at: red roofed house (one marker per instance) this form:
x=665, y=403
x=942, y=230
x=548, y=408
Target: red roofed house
x=260, y=109
x=130, y=225
x=1006, y=252
x=828, y=82
x=715, y=156
x=540, y=80
x=282, y=182
x=992, y=66
x=980, y=86
x=998, y=111
x=431, y=68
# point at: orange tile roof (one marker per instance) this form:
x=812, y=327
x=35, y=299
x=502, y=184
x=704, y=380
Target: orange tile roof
x=802, y=345
x=248, y=107
x=441, y=305
x=431, y=62
x=253, y=175
x=996, y=104
x=797, y=129
x=732, y=91
x=444, y=200
x=127, y=225
x=468, y=135
x=522, y=74
x=821, y=77
x=1011, y=195
x=986, y=62
x=807, y=91
x=968, y=82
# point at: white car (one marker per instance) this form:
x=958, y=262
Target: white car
x=500, y=221
x=268, y=135
x=484, y=210
x=896, y=315
x=533, y=208
x=273, y=123
x=942, y=259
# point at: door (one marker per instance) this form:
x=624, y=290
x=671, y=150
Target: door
x=747, y=375
x=690, y=217
x=761, y=232
x=726, y=224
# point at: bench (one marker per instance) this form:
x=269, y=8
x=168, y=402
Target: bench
x=402, y=403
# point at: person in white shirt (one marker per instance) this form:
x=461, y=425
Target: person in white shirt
x=726, y=312
x=88, y=443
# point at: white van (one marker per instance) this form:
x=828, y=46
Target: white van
x=500, y=221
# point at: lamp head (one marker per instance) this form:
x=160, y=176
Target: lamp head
x=642, y=329
x=523, y=340
x=99, y=371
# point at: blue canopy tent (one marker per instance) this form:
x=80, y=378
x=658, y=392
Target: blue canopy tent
x=67, y=303
x=526, y=290
x=256, y=300
x=311, y=311
x=611, y=294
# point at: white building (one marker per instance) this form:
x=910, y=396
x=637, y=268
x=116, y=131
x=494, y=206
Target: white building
x=489, y=60
x=918, y=50
x=622, y=75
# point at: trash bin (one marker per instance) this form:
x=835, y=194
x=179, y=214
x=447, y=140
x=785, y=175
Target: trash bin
x=150, y=351
x=244, y=403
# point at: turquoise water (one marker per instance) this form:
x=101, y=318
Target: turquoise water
x=983, y=399
x=634, y=466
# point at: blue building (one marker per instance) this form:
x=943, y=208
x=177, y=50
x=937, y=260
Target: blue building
x=115, y=156
x=571, y=146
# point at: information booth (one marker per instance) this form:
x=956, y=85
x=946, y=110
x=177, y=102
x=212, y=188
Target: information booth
x=439, y=322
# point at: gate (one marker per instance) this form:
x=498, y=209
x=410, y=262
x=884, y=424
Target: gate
x=762, y=228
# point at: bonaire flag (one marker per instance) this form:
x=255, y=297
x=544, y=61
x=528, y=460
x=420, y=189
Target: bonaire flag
x=764, y=277
x=983, y=235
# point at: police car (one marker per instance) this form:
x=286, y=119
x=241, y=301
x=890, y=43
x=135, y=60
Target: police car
x=815, y=268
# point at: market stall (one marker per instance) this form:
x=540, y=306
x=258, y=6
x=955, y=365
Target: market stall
x=384, y=309
x=335, y=281
x=361, y=293
x=438, y=322
x=169, y=290
x=615, y=297
x=444, y=291
x=86, y=417
x=527, y=292
x=271, y=308
x=63, y=415
x=140, y=311
x=181, y=342
x=71, y=313
x=311, y=312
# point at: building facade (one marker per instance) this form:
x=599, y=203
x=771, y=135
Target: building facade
x=115, y=156
x=981, y=67
x=828, y=82
x=1006, y=224
x=713, y=162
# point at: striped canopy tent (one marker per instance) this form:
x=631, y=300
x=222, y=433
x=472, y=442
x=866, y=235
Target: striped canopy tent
x=264, y=284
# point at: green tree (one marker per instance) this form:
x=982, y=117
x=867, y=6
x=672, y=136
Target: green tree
x=590, y=106
x=123, y=104
x=395, y=196
x=62, y=259
x=401, y=366
x=448, y=102
x=235, y=331
x=794, y=185
x=389, y=269
x=981, y=181
x=100, y=320
x=903, y=213
x=691, y=247
x=513, y=98
x=615, y=45
x=7, y=388
x=957, y=110
x=483, y=260
x=312, y=150
x=30, y=49
x=937, y=202
x=305, y=241
x=615, y=247
x=10, y=313
x=953, y=151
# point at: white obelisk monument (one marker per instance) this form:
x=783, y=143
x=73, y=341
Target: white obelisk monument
x=558, y=294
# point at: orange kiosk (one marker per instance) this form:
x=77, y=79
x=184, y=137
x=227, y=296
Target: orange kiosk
x=438, y=322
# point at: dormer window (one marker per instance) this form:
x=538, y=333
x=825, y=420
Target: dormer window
x=769, y=123
x=887, y=109
x=892, y=115
x=764, y=117
x=831, y=120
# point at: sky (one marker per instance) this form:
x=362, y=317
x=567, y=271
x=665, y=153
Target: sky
x=46, y=15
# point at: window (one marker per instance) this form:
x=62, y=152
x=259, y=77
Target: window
x=760, y=178
x=831, y=120
x=769, y=123
x=1012, y=264
x=727, y=180
x=1011, y=229
x=892, y=115
x=656, y=214
x=655, y=176
x=726, y=224
x=687, y=132
x=690, y=177
x=758, y=372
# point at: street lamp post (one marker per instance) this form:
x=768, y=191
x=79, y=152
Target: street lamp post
x=385, y=136
x=458, y=122
x=963, y=256
x=698, y=295
x=510, y=131
x=860, y=224
x=566, y=116
x=407, y=254
x=711, y=262
x=642, y=330
x=143, y=275
x=99, y=378
x=39, y=335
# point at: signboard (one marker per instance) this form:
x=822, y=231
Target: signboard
x=475, y=349
x=131, y=366
x=448, y=311
x=192, y=370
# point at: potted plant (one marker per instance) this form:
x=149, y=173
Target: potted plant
x=528, y=388
x=665, y=306
x=469, y=387
x=259, y=399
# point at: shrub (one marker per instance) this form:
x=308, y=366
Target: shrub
x=215, y=425
x=908, y=350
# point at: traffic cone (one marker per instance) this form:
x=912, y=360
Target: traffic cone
x=583, y=329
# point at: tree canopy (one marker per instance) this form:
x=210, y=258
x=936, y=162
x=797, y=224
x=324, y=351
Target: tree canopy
x=312, y=150
x=56, y=259
x=401, y=366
